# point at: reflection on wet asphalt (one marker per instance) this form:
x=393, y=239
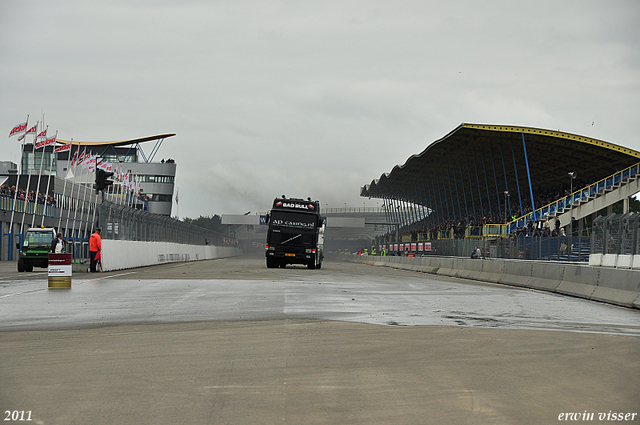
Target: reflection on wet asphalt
x=402, y=300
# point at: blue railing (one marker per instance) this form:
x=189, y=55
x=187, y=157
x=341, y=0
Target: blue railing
x=581, y=195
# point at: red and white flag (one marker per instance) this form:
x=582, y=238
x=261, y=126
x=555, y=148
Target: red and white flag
x=50, y=141
x=63, y=148
x=42, y=135
x=32, y=130
x=80, y=157
x=18, y=129
x=73, y=158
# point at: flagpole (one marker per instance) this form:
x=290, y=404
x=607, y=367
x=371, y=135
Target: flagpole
x=35, y=208
x=75, y=212
x=15, y=195
x=91, y=195
x=84, y=197
x=46, y=193
x=64, y=187
x=33, y=153
x=73, y=182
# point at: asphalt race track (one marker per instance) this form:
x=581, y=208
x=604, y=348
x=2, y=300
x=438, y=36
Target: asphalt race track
x=232, y=342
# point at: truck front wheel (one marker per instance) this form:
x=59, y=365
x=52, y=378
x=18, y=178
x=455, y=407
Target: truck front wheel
x=21, y=265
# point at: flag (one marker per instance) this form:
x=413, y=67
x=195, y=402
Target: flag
x=18, y=129
x=80, y=158
x=42, y=135
x=63, y=148
x=32, y=130
x=92, y=164
x=50, y=141
x=75, y=157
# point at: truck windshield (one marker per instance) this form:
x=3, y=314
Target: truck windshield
x=38, y=238
x=292, y=221
x=287, y=228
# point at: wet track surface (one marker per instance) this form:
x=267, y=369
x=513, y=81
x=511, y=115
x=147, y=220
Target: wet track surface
x=232, y=342
x=243, y=289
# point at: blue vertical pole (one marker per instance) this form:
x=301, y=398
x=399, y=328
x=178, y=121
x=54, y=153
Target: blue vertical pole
x=464, y=192
x=526, y=161
x=434, y=202
x=405, y=211
x=400, y=212
x=475, y=217
x=495, y=178
x=478, y=181
x=394, y=211
x=440, y=196
x=455, y=182
x=423, y=202
x=428, y=204
x=515, y=168
x=486, y=183
x=386, y=212
x=506, y=183
x=453, y=204
x=410, y=209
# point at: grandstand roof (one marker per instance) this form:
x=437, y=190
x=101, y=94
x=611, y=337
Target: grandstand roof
x=119, y=143
x=476, y=159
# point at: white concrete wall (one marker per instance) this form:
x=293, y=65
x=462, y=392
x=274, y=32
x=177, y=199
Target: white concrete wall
x=117, y=255
x=613, y=285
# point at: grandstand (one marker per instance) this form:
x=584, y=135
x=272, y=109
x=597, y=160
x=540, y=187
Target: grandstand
x=489, y=181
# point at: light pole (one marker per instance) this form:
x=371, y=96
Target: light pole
x=572, y=176
x=506, y=214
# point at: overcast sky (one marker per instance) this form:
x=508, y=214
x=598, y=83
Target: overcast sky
x=312, y=98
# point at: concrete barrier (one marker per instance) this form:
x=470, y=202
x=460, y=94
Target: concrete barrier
x=546, y=275
x=609, y=260
x=447, y=267
x=491, y=270
x=579, y=281
x=624, y=261
x=595, y=260
x=118, y=255
x=516, y=273
x=620, y=286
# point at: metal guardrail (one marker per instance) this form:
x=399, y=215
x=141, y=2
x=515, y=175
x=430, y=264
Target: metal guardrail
x=616, y=234
x=6, y=204
x=578, y=197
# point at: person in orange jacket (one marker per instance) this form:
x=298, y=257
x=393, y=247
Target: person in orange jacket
x=95, y=246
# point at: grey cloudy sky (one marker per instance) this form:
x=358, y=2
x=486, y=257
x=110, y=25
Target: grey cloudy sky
x=309, y=98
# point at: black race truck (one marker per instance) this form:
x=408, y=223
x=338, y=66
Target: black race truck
x=295, y=234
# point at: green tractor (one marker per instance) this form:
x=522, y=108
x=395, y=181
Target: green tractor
x=35, y=248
